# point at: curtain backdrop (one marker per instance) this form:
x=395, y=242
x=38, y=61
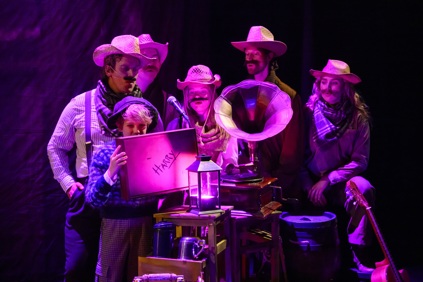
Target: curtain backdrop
x=46, y=59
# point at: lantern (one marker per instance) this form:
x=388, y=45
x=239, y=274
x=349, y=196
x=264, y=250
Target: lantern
x=204, y=186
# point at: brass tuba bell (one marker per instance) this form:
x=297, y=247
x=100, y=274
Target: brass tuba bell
x=253, y=111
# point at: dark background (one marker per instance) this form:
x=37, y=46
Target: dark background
x=46, y=59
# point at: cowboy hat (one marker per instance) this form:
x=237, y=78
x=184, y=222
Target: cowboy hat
x=123, y=104
x=199, y=74
x=122, y=44
x=261, y=37
x=146, y=41
x=336, y=68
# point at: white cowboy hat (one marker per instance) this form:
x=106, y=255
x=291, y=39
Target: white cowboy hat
x=146, y=41
x=199, y=74
x=336, y=68
x=261, y=37
x=122, y=44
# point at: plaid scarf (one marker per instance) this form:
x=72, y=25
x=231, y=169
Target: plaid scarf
x=330, y=122
x=105, y=99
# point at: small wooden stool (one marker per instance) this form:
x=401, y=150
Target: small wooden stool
x=216, y=245
x=248, y=239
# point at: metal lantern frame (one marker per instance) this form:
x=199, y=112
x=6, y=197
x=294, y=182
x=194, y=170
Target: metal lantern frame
x=201, y=166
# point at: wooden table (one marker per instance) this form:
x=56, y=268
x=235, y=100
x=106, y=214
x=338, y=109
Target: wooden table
x=181, y=217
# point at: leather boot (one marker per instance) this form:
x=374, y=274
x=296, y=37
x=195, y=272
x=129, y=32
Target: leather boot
x=361, y=257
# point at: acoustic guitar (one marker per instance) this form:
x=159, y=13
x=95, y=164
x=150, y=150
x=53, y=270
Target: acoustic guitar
x=385, y=270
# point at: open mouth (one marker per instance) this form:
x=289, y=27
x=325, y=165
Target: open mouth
x=198, y=100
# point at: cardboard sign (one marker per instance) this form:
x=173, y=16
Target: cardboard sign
x=157, y=162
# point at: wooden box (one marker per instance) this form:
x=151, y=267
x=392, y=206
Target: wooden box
x=191, y=269
x=247, y=196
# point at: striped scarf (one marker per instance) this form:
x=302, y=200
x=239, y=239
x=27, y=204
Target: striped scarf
x=105, y=99
x=330, y=122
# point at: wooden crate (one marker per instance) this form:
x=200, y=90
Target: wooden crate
x=249, y=196
x=191, y=269
x=251, y=200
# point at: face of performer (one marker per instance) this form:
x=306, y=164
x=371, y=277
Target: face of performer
x=123, y=76
x=131, y=127
x=257, y=60
x=199, y=97
x=331, y=89
x=151, y=67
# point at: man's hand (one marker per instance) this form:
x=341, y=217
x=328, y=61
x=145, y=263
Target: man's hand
x=73, y=188
x=315, y=195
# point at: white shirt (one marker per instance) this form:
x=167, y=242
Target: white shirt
x=70, y=130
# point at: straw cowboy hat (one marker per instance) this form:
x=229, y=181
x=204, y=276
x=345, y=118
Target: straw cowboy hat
x=336, y=68
x=123, y=104
x=146, y=41
x=199, y=74
x=122, y=44
x=261, y=37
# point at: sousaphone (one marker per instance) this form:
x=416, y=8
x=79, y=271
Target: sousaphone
x=252, y=111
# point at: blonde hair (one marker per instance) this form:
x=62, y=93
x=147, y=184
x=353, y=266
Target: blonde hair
x=136, y=113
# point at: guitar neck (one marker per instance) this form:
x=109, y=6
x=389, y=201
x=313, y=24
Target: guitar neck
x=382, y=244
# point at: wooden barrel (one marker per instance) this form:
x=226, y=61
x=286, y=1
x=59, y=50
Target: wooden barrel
x=311, y=246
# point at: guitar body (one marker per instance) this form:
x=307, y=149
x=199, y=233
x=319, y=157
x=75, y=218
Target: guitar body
x=385, y=270
x=384, y=273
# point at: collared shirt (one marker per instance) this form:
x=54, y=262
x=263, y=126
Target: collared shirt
x=70, y=131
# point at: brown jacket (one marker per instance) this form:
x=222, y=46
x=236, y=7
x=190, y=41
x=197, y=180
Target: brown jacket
x=281, y=156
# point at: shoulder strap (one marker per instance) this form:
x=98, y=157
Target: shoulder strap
x=88, y=143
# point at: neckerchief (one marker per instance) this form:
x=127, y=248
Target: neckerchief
x=105, y=99
x=330, y=123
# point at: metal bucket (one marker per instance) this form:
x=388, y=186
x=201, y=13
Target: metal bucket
x=191, y=248
x=163, y=240
x=311, y=246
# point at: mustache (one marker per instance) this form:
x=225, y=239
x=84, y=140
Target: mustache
x=130, y=78
x=250, y=62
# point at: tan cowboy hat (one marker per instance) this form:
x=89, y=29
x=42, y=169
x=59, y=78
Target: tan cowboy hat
x=122, y=44
x=147, y=42
x=199, y=74
x=337, y=68
x=261, y=37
